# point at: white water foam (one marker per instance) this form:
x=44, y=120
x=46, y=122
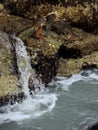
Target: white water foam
x=65, y=83
x=23, y=62
x=40, y=103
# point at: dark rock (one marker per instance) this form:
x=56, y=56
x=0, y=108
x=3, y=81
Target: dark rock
x=12, y=99
x=59, y=27
x=0, y=73
x=93, y=127
x=65, y=50
x=67, y=53
x=46, y=67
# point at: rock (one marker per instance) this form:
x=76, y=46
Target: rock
x=70, y=41
x=44, y=55
x=80, y=42
x=8, y=81
x=79, y=51
x=79, y=14
x=68, y=67
x=93, y=127
x=13, y=24
x=12, y=99
x=64, y=43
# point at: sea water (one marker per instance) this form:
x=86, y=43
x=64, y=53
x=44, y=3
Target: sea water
x=67, y=104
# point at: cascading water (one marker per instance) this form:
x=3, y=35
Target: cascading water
x=23, y=62
x=76, y=107
x=40, y=103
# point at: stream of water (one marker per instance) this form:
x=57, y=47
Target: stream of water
x=67, y=104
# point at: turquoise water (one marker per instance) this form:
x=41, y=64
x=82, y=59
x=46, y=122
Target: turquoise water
x=68, y=104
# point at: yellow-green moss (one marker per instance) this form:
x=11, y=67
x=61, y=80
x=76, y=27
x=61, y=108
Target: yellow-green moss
x=48, y=45
x=72, y=66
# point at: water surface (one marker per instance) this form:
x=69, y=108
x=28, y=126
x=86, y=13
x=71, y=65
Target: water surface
x=69, y=104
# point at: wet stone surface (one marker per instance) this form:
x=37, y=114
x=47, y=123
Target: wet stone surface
x=93, y=127
x=66, y=44
x=8, y=77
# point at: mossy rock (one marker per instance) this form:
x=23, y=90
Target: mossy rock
x=8, y=80
x=68, y=67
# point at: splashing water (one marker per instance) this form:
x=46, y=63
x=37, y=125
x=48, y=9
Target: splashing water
x=76, y=108
x=40, y=103
x=65, y=83
x=24, y=67
x=78, y=100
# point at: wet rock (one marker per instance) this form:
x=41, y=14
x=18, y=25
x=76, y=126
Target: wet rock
x=47, y=67
x=8, y=81
x=44, y=55
x=63, y=41
x=12, y=99
x=93, y=127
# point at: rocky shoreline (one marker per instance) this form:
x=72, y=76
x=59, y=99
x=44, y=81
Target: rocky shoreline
x=68, y=43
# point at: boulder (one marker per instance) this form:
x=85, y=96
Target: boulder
x=70, y=34
x=8, y=70
x=79, y=51
x=68, y=67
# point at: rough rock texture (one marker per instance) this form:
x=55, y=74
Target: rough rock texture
x=8, y=79
x=79, y=13
x=81, y=43
x=63, y=40
x=44, y=55
x=77, y=52
x=67, y=67
x=13, y=24
x=68, y=43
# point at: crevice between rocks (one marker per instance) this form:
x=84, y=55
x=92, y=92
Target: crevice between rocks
x=67, y=53
x=89, y=28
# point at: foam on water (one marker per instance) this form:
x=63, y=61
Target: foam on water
x=65, y=83
x=37, y=106
x=84, y=123
x=42, y=101
x=32, y=107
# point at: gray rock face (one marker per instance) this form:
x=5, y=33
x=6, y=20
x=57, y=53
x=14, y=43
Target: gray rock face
x=8, y=80
x=65, y=48
x=4, y=41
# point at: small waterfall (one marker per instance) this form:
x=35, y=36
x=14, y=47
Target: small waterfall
x=41, y=102
x=23, y=62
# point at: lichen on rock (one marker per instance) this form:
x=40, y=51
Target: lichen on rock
x=69, y=43
x=68, y=67
x=8, y=79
